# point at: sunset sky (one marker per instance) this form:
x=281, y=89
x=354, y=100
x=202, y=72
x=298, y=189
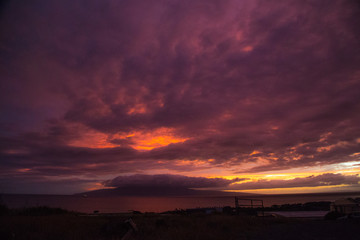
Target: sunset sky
x=249, y=95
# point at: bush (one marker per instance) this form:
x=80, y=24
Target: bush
x=333, y=215
x=41, y=211
x=4, y=210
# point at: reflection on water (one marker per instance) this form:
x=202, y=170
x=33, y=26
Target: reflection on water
x=154, y=204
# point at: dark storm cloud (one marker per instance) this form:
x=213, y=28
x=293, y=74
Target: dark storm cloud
x=43, y=185
x=280, y=78
x=168, y=180
x=327, y=179
x=46, y=158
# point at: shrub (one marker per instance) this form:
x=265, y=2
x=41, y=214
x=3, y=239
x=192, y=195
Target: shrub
x=41, y=211
x=4, y=210
x=333, y=215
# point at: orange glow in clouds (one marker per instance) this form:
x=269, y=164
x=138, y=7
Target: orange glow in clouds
x=137, y=109
x=247, y=49
x=157, y=138
x=92, y=139
x=140, y=140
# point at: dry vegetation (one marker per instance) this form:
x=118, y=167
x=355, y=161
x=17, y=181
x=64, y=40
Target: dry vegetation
x=156, y=226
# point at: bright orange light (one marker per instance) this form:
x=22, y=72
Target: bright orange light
x=158, y=138
x=254, y=152
x=95, y=186
x=140, y=140
x=291, y=190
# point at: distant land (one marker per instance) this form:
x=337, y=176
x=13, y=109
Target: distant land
x=157, y=191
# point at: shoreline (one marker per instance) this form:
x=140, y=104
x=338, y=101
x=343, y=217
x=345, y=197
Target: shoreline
x=156, y=204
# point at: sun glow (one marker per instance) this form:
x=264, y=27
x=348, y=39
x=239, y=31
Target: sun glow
x=139, y=140
x=147, y=140
x=156, y=139
x=293, y=190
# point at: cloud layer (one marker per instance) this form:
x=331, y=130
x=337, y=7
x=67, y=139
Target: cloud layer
x=100, y=88
x=327, y=179
x=169, y=181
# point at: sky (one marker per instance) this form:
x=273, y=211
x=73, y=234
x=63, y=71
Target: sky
x=253, y=96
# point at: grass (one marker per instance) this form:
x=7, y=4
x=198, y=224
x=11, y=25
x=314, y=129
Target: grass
x=153, y=226
x=56, y=224
x=199, y=227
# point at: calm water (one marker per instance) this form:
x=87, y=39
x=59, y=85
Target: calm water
x=154, y=204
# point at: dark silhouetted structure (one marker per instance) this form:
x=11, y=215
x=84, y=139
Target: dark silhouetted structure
x=247, y=205
x=345, y=206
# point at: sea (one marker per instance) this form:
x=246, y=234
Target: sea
x=122, y=204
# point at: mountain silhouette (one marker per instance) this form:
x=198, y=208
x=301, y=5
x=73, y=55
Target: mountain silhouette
x=146, y=190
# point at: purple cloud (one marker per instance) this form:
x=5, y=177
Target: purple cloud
x=327, y=179
x=268, y=84
x=168, y=180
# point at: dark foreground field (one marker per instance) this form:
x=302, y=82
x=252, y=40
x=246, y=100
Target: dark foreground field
x=156, y=226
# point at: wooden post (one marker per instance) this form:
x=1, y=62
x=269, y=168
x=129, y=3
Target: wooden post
x=237, y=206
x=132, y=228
